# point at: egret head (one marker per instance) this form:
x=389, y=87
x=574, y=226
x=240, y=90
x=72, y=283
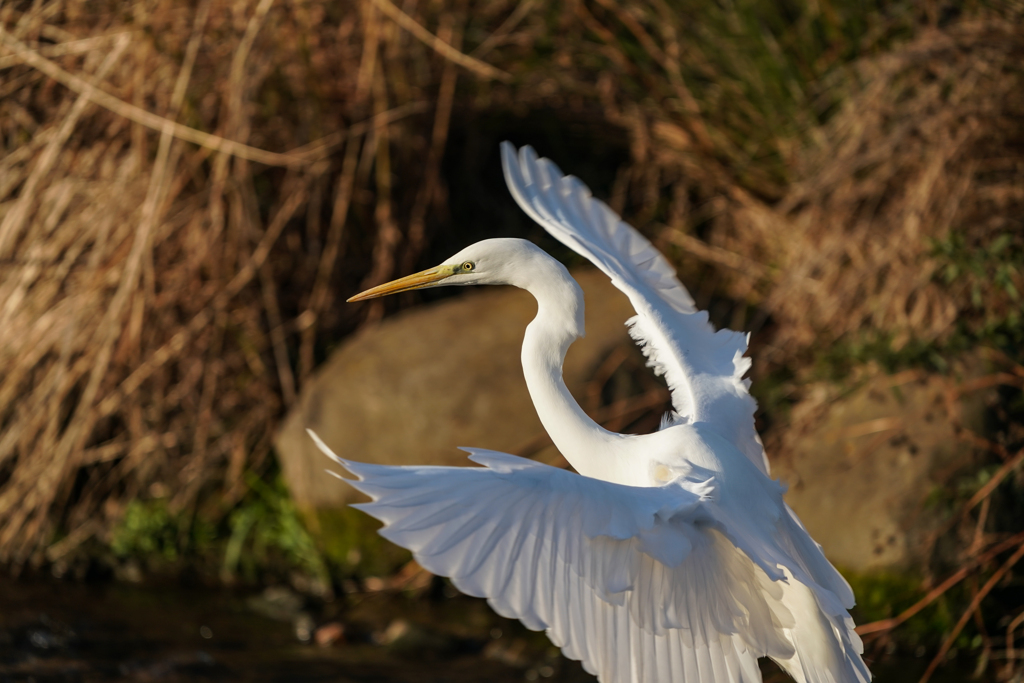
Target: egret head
x=500, y=261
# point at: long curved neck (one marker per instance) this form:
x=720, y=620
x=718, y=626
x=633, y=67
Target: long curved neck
x=559, y=321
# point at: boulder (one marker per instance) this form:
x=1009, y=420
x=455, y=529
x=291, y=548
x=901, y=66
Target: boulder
x=864, y=460
x=415, y=387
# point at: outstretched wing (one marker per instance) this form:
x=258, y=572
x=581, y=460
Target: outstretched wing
x=704, y=369
x=636, y=583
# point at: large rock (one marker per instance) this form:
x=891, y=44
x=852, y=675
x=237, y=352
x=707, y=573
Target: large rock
x=863, y=459
x=422, y=383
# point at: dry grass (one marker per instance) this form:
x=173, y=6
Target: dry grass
x=151, y=310
x=931, y=146
x=183, y=190
x=927, y=149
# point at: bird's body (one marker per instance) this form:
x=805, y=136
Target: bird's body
x=670, y=556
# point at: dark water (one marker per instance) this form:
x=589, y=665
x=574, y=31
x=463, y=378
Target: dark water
x=58, y=631
x=66, y=632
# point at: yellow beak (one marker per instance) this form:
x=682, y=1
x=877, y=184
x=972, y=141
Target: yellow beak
x=424, y=278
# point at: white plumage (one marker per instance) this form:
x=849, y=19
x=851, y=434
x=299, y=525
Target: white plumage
x=671, y=556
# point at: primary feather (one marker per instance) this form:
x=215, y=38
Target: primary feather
x=674, y=556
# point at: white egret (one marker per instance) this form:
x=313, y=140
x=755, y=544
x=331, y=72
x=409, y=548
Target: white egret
x=671, y=556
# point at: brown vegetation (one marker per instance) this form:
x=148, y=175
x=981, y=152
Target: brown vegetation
x=143, y=330
x=183, y=190
x=931, y=146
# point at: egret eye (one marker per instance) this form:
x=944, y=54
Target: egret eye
x=467, y=266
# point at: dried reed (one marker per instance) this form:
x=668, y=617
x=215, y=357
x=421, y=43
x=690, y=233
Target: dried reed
x=931, y=148
x=157, y=279
x=167, y=277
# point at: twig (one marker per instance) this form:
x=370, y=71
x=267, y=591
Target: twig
x=71, y=47
x=74, y=539
x=1010, y=654
x=979, y=622
x=881, y=424
x=604, y=371
x=965, y=617
x=935, y=593
x=368, y=59
x=318, y=149
x=999, y=378
x=190, y=476
x=616, y=415
x=713, y=254
x=442, y=48
x=389, y=236
x=997, y=478
x=1008, y=466
x=147, y=118
x=612, y=49
x=979, y=529
x=236, y=76
x=284, y=368
x=638, y=31
x=318, y=299
x=16, y=215
x=506, y=27
x=416, y=235
x=987, y=444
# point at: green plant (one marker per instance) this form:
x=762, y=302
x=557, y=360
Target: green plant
x=991, y=272
x=149, y=531
x=266, y=524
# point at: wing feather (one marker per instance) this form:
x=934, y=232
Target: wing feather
x=524, y=535
x=704, y=369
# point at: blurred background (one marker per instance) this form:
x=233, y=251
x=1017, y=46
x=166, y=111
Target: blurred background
x=189, y=191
